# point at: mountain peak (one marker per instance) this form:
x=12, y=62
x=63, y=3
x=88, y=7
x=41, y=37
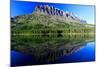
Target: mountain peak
x=52, y=11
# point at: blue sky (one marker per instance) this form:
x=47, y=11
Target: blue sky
x=86, y=12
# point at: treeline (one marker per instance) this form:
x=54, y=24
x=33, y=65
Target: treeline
x=53, y=31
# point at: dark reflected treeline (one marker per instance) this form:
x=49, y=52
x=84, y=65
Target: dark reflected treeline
x=47, y=48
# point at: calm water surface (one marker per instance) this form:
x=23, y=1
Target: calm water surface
x=51, y=51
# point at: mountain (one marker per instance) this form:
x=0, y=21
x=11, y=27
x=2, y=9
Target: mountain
x=52, y=11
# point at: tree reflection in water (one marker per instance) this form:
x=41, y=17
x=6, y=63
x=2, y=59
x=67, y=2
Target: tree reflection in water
x=47, y=48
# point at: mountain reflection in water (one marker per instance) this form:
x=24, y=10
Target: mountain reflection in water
x=48, y=49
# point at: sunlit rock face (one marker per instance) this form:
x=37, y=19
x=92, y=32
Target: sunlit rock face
x=52, y=11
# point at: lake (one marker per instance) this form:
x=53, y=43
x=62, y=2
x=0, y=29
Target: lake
x=35, y=50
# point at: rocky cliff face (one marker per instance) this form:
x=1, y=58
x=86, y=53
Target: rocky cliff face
x=52, y=11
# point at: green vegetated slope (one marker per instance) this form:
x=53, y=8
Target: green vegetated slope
x=36, y=23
